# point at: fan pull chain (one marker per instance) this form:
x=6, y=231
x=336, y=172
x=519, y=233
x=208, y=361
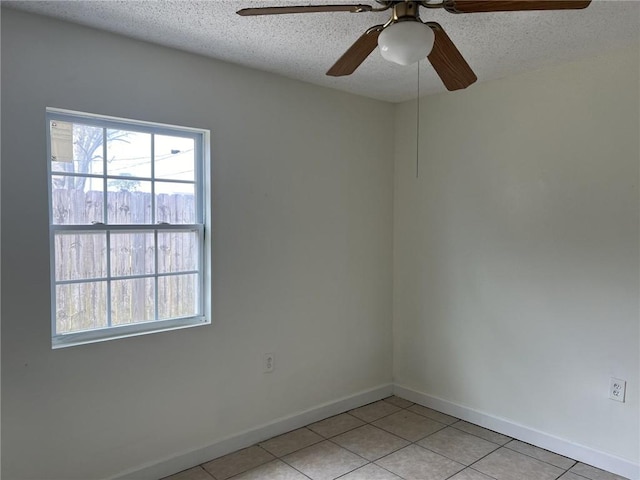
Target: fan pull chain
x=418, y=126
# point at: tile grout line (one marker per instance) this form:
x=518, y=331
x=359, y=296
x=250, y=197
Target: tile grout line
x=453, y=460
x=453, y=425
x=563, y=471
x=589, y=478
x=498, y=446
x=206, y=473
x=481, y=458
x=288, y=464
x=341, y=433
x=419, y=440
x=346, y=473
x=464, y=467
x=330, y=439
x=372, y=462
x=439, y=430
x=324, y=439
x=481, y=473
x=575, y=462
x=386, y=454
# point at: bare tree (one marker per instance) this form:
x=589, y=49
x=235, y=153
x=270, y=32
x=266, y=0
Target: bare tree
x=88, y=148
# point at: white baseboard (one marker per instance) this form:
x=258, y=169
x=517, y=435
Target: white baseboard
x=169, y=466
x=526, y=434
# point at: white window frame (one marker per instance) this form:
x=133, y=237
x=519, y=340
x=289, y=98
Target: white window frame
x=202, y=176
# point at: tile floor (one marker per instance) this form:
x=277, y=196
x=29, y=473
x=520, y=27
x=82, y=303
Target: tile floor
x=393, y=439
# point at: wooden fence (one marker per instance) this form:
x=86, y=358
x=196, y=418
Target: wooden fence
x=83, y=256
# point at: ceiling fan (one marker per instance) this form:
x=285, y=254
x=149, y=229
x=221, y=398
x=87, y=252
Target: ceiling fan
x=406, y=39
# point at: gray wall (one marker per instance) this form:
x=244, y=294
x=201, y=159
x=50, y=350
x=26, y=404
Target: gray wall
x=516, y=289
x=302, y=231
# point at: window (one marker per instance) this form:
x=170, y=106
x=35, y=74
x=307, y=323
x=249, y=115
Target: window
x=128, y=235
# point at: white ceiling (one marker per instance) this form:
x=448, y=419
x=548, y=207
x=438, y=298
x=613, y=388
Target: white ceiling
x=305, y=46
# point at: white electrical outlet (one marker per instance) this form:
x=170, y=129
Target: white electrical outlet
x=617, y=389
x=268, y=363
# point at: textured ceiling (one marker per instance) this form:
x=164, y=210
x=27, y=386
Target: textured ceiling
x=305, y=46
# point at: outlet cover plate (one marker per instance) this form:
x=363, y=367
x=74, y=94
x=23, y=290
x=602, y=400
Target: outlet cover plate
x=617, y=389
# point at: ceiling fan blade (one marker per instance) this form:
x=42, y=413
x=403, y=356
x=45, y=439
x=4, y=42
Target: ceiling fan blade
x=357, y=53
x=449, y=64
x=473, y=6
x=304, y=9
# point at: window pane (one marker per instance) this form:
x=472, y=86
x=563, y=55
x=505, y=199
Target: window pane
x=80, y=255
x=76, y=148
x=177, y=296
x=81, y=306
x=128, y=153
x=178, y=251
x=132, y=301
x=132, y=254
x=76, y=200
x=174, y=158
x=128, y=206
x=175, y=203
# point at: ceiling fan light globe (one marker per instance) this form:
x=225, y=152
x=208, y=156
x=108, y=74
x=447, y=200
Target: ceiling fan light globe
x=406, y=42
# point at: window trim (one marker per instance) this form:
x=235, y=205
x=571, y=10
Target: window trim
x=202, y=186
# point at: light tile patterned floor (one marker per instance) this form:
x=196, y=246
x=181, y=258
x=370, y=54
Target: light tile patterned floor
x=393, y=439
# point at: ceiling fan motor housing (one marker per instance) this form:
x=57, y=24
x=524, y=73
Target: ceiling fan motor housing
x=403, y=11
